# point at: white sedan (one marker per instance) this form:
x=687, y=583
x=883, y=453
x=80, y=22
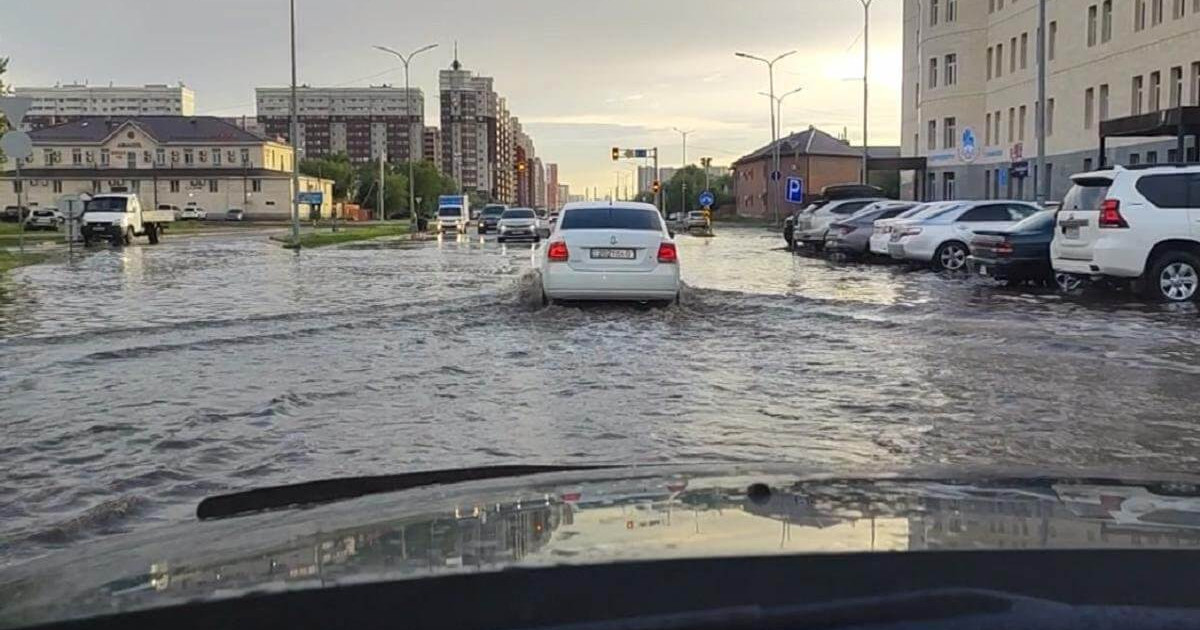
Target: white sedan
x=940, y=239
x=614, y=251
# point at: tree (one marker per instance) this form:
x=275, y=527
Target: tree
x=395, y=189
x=693, y=176
x=337, y=168
x=429, y=184
x=3, y=91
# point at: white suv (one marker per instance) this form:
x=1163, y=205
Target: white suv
x=1141, y=224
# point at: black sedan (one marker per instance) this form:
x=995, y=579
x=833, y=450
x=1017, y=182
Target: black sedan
x=1018, y=254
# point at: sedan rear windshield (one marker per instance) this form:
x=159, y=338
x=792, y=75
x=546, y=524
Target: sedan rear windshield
x=518, y=214
x=610, y=219
x=105, y=204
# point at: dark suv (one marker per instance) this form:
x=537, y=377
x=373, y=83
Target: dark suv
x=489, y=219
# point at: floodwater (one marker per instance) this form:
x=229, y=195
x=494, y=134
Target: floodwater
x=135, y=382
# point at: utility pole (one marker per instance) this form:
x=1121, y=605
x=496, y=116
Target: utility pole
x=866, y=82
x=773, y=182
x=382, y=211
x=1041, y=183
x=295, y=142
x=412, y=194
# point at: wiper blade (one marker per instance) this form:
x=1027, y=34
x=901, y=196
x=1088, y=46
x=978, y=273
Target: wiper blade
x=331, y=490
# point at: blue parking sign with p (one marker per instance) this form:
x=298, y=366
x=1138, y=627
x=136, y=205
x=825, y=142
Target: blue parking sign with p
x=795, y=190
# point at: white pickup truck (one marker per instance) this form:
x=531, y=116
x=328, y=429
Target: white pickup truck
x=119, y=217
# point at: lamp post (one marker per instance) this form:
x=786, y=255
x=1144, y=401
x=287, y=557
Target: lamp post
x=866, y=70
x=295, y=142
x=683, y=182
x=774, y=129
x=412, y=190
x=779, y=105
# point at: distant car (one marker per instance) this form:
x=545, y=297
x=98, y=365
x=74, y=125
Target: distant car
x=1133, y=224
x=489, y=218
x=176, y=210
x=44, y=219
x=193, y=213
x=13, y=214
x=882, y=232
x=852, y=236
x=695, y=220
x=615, y=251
x=1018, y=254
x=940, y=240
x=809, y=228
x=519, y=224
x=553, y=220
x=235, y=214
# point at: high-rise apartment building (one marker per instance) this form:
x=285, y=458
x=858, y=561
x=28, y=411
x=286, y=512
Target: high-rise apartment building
x=970, y=88
x=552, y=187
x=65, y=103
x=431, y=142
x=470, y=112
x=364, y=123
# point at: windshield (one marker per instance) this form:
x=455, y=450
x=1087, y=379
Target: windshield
x=609, y=219
x=106, y=204
x=358, y=273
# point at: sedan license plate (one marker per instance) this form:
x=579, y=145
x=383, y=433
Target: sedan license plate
x=1071, y=233
x=983, y=270
x=614, y=254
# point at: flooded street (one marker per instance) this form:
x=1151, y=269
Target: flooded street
x=134, y=383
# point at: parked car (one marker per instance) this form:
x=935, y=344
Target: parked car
x=852, y=236
x=695, y=221
x=519, y=224
x=489, y=218
x=810, y=227
x=940, y=240
x=193, y=213
x=175, y=210
x=882, y=232
x=12, y=214
x=1133, y=224
x=617, y=251
x=1018, y=254
x=235, y=214
x=44, y=219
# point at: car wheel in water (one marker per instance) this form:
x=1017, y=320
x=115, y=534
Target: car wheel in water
x=950, y=256
x=1174, y=277
x=1068, y=282
x=152, y=234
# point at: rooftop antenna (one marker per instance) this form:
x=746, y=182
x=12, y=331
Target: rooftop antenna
x=457, y=65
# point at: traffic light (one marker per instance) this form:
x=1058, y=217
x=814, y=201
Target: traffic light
x=657, y=187
x=616, y=153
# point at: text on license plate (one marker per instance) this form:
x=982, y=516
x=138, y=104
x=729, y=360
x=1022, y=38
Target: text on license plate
x=1071, y=233
x=614, y=254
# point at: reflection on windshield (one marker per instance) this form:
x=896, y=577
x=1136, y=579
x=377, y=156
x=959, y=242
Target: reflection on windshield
x=106, y=204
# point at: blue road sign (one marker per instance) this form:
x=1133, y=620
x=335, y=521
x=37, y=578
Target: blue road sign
x=1003, y=176
x=795, y=190
x=707, y=199
x=776, y=176
x=311, y=198
x=641, y=153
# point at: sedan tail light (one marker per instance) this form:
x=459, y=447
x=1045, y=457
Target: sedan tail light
x=845, y=229
x=1110, y=215
x=1003, y=248
x=913, y=231
x=557, y=252
x=667, y=253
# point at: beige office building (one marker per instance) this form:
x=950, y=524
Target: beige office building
x=206, y=162
x=970, y=88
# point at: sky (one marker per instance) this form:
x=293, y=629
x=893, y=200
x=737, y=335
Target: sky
x=583, y=76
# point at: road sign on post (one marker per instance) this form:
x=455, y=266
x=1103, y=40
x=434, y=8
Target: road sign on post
x=795, y=190
x=17, y=145
x=311, y=198
x=707, y=199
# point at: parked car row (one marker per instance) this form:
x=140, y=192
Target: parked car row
x=1135, y=225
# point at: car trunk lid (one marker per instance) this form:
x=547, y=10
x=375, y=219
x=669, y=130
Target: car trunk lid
x=1077, y=227
x=612, y=250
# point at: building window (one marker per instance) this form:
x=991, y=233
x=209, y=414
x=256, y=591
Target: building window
x=1139, y=15
x=256, y=185
x=951, y=69
x=1012, y=124
x=948, y=189
x=933, y=12
x=245, y=157
x=58, y=185
x=104, y=156
x=1089, y=103
x=1012, y=55
x=1152, y=157
x=1178, y=9
x=1052, y=42
x=1093, y=19
x=1024, y=50
x=216, y=157
x=174, y=186
x=1156, y=12
x=933, y=73
x=1021, y=126
x=189, y=157
x=1155, y=91
x=203, y=156
x=999, y=60
x=1104, y=102
x=1136, y=96
x=952, y=10
x=1176, y=86
x=96, y=187
x=991, y=6
x=18, y=186
x=987, y=130
x=160, y=156
x=1049, y=117
x=1195, y=81
x=1134, y=159
x=950, y=133
x=1106, y=21
x=996, y=135
x=989, y=63
x=214, y=186
x=76, y=157
x=135, y=185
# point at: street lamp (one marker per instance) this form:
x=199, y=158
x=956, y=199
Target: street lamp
x=779, y=105
x=774, y=129
x=295, y=126
x=683, y=182
x=412, y=190
x=866, y=68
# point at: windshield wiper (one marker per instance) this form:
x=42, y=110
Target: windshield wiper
x=330, y=490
